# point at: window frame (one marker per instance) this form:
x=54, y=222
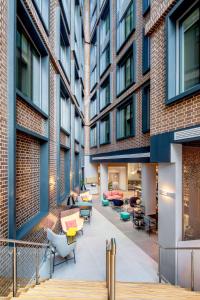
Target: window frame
x=25, y=22
x=146, y=108
x=131, y=52
x=105, y=85
x=41, y=16
x=146, y=55
x=130, y=101
x=66, y=97
x=171, y=31
x=92, y=100
x=120, y=23
x=107, y=117
x=91, y=128
x=146, y=5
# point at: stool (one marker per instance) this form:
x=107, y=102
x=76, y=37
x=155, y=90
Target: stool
x=71, y=233
x=105, y=202
x=125, y=216
x=85, y=213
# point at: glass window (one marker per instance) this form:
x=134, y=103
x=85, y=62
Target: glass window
x=93, y=136
x=104, y=26
x=93, y=106
x=189, y=51
x=128, y=20
x=66, y=6
x=77, y=127
x=146, y=54
x=105, y=59
x=125, y=72
x=65, y=113
x=146, y=6
x=146, y=109
x=105, y=94
x=65, y=55
x=105, y=130
x=125, y=121
x=125, y=23
x=28, y=67
x=43, y=6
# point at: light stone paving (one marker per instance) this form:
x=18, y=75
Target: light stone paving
x=133, y=264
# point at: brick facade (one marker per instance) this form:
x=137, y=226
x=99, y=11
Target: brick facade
x=27, y=178
x=33, y=128
x=62, y=172
x=140, y=139
x=179, y=115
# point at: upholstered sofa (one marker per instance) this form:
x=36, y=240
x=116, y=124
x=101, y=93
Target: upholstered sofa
x=111, y=195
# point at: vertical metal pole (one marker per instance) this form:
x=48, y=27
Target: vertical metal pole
x=112, y=269
x=108, y=283
x=50, y=262
x=159, y=264
x=37, y=266
x=192, y=270
x=14, y=270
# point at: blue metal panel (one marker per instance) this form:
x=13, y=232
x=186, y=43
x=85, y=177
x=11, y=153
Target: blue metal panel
x=146, y=54
x=12, y=119
x=160, y=147
x=146, y=6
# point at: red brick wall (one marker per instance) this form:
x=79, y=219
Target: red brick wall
x=27, y=178
x=62, y=171
x=191, y=186
x=29, y=118
x=3, y=122
x=179, y=115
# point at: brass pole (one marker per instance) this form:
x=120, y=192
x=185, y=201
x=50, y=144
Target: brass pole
x=112, y=269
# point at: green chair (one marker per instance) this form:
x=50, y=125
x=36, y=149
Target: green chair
x=105, y=202
x=125, y=216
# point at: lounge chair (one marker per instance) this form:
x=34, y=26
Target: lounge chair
x=74, y=216
x=61, y=247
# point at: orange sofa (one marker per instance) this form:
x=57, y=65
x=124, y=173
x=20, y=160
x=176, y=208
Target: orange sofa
x=111, y=195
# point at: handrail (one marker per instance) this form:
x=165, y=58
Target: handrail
x=111, y=268
x=192, y=275
x=35, y=263
x=23, y=242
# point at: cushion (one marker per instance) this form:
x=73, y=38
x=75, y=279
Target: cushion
x=105, y=202
x=124, y=215
x=71, y=224
x=117, y=197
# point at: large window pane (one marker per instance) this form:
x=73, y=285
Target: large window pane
x=125, y=121
x=105, y=130
x=190, y=51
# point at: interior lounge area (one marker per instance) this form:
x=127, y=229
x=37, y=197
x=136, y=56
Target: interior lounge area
x=127, y=194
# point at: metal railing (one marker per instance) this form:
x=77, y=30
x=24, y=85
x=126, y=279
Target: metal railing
x=192, y=263
x=20, y=263
x=111, y=268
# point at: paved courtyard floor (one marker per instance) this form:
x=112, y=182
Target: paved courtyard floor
x=133, y=264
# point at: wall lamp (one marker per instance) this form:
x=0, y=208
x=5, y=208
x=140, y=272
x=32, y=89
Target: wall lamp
x=167, y=194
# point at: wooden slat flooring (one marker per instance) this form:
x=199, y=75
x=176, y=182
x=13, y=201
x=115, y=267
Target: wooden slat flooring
x=83, y=290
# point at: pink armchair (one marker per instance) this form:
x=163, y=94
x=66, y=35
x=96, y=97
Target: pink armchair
x=111, y=195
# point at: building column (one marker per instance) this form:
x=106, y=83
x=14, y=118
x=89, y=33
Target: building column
x=103, y=179
x=123, y=179
x=149, y=188
x=170, y=211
